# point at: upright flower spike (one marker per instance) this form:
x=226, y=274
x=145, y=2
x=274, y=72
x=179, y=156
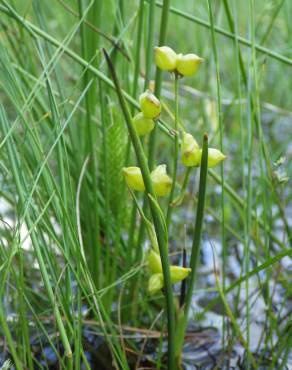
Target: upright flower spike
x=165, y=58
x=142, y=124
x=188, y=65
x=161, y=181
x=149, y=105
x=214, y=157
x=134, y=179
x=190, y=151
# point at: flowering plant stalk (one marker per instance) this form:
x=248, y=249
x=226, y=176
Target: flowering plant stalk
x=158, y=225
x=176, y=147
x=157, y=183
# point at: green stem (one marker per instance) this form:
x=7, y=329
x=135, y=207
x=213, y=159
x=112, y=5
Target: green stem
x=158, y=78
x=195, y=248
x=148, y=65
x=149, y=51
x=104, y=130
x=198, y=225
x=90, y=100
x=22, y=314
x=132, y=227
x=221, y=129
x=64, y=185
x=150, y=41
x=175, y=157
x=177, y=201
x=138, y=49
x=159, y=228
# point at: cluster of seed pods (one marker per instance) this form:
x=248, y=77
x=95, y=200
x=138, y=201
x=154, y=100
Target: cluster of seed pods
x=144, y=122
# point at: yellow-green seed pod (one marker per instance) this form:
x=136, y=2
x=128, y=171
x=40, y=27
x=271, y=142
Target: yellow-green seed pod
x=142, y=124
x=190, y=151
x=188, y=65
x=165, y=58
x=155, y=283
x=149, y=105
x=178, y=273
x=154, y=262
x=161, y=181
x=214, y=157
x=134, y=179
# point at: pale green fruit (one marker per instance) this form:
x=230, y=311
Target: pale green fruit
x=165, y=58
x=214, y=157
x=142, y=124
x=178, y=273
x=190, y=151
x=134, y=179
x=155, y=283
x=149, y=105
x=161, y=181
x=188, y=65
x=154, y=262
